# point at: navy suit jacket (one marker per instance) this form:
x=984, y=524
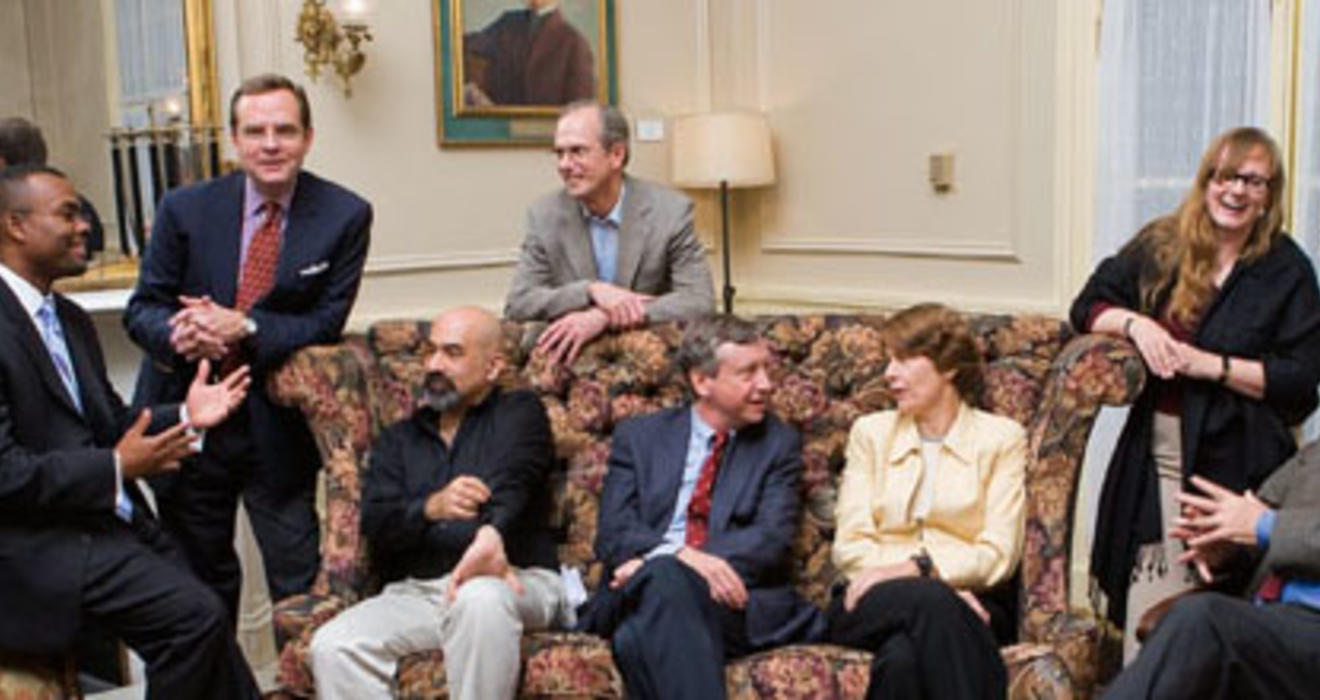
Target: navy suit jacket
x=195, y=249
x=753, y=512
x=57, y=476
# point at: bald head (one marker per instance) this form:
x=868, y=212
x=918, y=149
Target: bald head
x=479, y=327
x=468, y=353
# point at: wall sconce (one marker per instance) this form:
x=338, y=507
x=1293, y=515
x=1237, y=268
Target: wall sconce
x=328, y=42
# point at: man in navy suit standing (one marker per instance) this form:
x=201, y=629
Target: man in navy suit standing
x=698, y=511
x=248, y=268
x=78, y=542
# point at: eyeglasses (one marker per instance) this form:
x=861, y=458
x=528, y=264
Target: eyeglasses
x=1250, y=181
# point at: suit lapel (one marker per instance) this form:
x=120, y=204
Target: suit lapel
x=670, y=459
x=634, y=232
x=96, y=405
x=298, y=232
x=577, y=242
x=26, y=331
x=734, y=475
x=226, y=239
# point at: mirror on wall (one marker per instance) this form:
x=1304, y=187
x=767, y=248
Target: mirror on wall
x=124, y=92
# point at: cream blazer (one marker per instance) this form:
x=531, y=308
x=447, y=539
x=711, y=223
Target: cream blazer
x=974, y=530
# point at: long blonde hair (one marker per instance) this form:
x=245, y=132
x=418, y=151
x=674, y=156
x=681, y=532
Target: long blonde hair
x=1185, y=245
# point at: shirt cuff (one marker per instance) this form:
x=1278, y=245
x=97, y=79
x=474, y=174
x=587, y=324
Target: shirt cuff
x=662, y=549
x=119, y=478
x=198, y=436
x=1265, y=527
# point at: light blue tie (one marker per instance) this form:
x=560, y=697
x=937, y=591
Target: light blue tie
x=52, y=334
x=605, y=246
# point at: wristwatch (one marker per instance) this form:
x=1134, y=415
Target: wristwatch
x=924, y=564
x=249, y=327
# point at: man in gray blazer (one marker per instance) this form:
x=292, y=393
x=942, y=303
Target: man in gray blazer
x=1266, y=646
x=608, y=251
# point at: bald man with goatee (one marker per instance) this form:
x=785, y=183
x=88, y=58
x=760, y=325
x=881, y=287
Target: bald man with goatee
x=455, y=510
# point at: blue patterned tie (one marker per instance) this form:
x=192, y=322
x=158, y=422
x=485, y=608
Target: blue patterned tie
x=52, y=334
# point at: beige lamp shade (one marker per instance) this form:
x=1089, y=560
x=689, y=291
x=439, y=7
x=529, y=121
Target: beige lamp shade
x=732, y=147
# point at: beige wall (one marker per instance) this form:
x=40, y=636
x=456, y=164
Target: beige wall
x=858, y=97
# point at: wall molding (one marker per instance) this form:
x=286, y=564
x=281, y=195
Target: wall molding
x=896, y=247
x=771, y=298
x=382, y=265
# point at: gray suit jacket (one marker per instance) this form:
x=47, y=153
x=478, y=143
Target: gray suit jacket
x=659, y=254
x=1294, y=491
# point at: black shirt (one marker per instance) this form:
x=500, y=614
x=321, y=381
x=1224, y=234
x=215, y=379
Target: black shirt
x=506, y=442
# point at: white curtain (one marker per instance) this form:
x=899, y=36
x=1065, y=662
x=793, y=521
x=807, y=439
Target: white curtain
x=1306, y=223
x=1172, y=74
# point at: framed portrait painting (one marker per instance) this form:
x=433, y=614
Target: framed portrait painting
x=503, y=68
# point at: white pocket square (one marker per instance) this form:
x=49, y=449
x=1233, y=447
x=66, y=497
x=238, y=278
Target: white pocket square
x=314, y=269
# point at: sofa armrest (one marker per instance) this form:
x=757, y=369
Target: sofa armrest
x=329, y=385
x=1089, y=372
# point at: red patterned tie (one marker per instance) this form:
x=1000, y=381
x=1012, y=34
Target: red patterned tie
x=263, y=255
x=698, y=512
x=1270, y=589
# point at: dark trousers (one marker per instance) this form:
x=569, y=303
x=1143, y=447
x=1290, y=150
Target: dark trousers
x=670, y=639
x=199, y=502
x=146, y=596
x=927, y=642
x=1211, y=645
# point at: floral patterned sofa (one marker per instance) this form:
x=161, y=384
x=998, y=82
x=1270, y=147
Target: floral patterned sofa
x=828, y=371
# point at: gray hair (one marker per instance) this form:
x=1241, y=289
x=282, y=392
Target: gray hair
x=705, y=335
x=613, y=124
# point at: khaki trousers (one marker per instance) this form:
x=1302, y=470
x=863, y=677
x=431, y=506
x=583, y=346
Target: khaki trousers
x=355, y=654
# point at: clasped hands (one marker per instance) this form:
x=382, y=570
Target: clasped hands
x=1213, y=523
x=863, y=582
x=205, y=329
x=461, y=499
x=1167, y=356
x=612, y=308
x=726, y=586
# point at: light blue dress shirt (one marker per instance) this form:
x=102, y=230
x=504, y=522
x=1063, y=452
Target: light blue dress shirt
x=605, y=238
x=1300, y=591
x=700, y=439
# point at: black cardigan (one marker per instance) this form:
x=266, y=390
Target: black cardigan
x=1268, y=310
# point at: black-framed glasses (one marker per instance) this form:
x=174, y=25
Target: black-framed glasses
x=1249, y=181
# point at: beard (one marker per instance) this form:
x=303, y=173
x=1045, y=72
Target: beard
x=438, y=393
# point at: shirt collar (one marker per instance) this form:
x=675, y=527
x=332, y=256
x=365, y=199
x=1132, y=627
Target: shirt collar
x=702, y=430
x=253, y=200
x=28, y=295
x=614, y=218
x=959, y=441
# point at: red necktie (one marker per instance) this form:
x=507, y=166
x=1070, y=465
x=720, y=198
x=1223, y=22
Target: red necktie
x=698, y=511
x=1270, y=589
x=263, y=255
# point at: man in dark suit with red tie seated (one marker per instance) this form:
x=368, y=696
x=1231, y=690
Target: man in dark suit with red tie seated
x=78, y=543
x=698, y=512
x=1212, y=645
x=249, y=267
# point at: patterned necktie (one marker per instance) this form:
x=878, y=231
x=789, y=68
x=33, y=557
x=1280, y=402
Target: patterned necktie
x=52, y=334
x=263, y=256
x=698, y=512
